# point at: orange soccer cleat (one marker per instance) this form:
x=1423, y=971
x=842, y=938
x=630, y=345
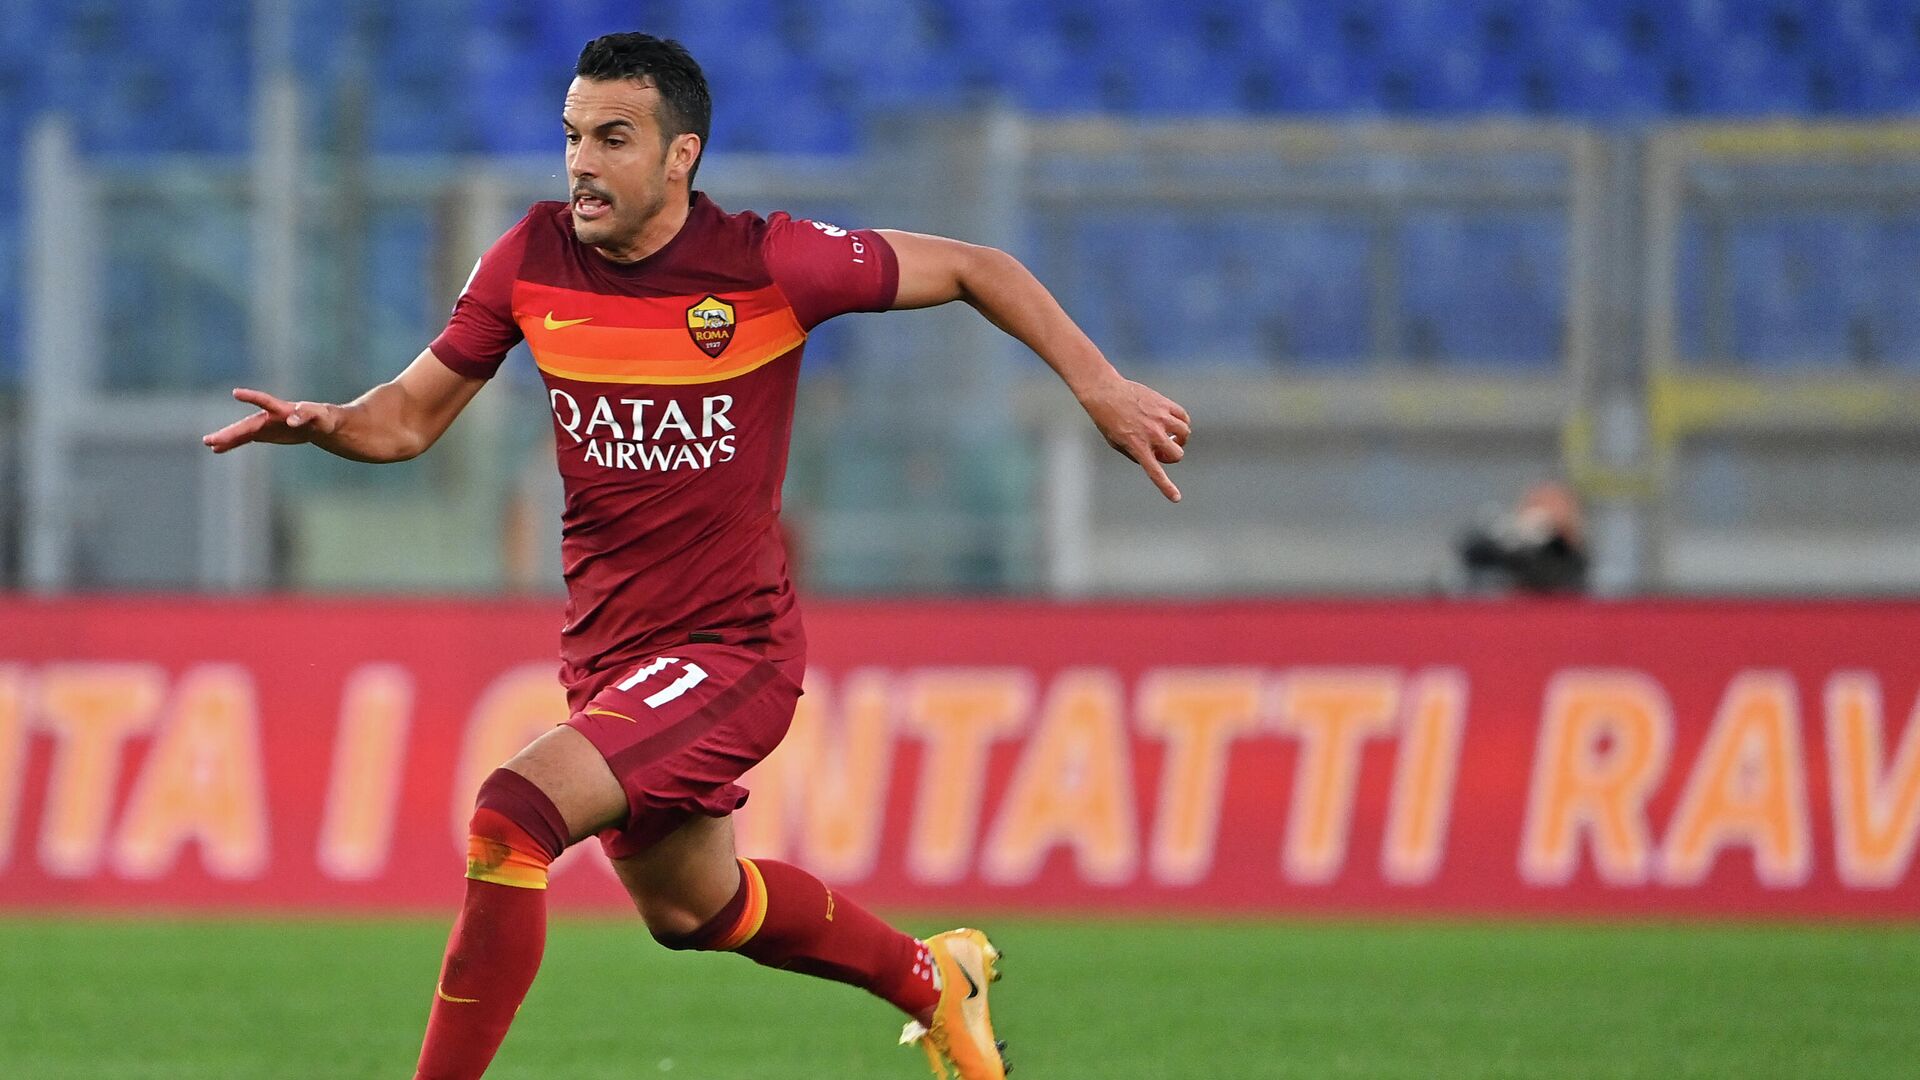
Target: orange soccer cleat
x=960, y=1043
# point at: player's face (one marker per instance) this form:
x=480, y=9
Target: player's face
x=619, y=168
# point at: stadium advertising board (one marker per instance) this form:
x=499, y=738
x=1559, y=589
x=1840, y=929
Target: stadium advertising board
x=1648, y=758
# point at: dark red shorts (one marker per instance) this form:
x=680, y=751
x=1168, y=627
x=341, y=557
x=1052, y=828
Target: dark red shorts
x=678, y=729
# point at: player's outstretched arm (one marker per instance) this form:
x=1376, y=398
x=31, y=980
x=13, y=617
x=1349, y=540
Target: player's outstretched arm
x=394, y=421
x=1135, y=419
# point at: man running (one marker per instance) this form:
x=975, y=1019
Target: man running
x=669, y=334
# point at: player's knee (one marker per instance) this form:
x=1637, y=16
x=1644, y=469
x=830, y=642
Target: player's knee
x=686, y=921
x=674, y=925
x=515, y=832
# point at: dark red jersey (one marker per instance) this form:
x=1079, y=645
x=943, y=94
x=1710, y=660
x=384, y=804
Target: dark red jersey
x=672, y=384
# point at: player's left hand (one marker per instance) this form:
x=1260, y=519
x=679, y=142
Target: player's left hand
x=1143, y=424
x=277, y=421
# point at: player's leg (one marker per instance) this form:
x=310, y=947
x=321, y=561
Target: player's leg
x=694, y=893
x=679, y=731
x=552, y=793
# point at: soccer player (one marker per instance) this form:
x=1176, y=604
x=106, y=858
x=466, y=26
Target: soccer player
x=669, y=335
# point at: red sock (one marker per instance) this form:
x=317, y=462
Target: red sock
x=784, y=917
x=497, y=941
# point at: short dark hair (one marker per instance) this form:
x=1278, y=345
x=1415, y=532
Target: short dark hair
x=686, y=104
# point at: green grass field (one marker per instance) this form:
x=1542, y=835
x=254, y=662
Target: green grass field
x=252, y=1000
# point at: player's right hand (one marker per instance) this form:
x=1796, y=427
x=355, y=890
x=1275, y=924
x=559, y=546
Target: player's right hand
x=1142, y=423
x=278, y=421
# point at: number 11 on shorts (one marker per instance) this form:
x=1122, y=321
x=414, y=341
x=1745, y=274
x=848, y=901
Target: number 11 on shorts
x=692, y=675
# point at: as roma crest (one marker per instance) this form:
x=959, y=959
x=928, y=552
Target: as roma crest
x=711, y=323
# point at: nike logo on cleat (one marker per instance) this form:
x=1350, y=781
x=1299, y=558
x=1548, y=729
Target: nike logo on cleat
x=561, y=324
x=973, y=988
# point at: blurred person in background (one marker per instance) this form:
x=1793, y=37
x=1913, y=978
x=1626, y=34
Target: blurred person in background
x=669, y=334
x=1538, y=545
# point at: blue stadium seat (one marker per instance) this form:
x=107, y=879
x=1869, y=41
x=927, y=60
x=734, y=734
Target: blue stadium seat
x=806, y=63
x=148, y=76
x=1484, y=290
x=513, y=103
x=1690, y=292
x=18, y=104
x=23, y=31
x=1894, y=316
x=164, y=300
x=1244, y=290
x=396, y=258
x=418, y=117
x=11, y=254
x=1801, y=290
x=1308, y=287
x=914, y=70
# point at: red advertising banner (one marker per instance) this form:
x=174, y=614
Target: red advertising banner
x=1695, y=758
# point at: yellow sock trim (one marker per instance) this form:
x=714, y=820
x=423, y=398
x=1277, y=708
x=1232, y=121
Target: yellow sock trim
x=753, y=914
x=495, y=862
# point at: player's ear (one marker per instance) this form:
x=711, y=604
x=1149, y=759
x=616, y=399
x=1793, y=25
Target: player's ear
x=683, y=153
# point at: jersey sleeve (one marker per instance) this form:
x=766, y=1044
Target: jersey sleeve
x=825, y=270
x=481, y=330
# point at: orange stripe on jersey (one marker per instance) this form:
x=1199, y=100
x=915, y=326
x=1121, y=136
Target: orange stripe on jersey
x=536, y=301
x=589, y=369
x=593, y=337
x=753, y=914
x=668, y=356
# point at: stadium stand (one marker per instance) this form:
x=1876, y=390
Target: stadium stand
x=803, y=75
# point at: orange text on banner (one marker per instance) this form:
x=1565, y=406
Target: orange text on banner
x=201, y=784
x=363, y=789
x=1423, y=777
x=959, y=713
x=13, y=754
x=1604, y=741
x=1073, y=788
x=1199, y=712
x=1333, y=711
x=90, y=709
x=1876, y=803
x=1748, y=787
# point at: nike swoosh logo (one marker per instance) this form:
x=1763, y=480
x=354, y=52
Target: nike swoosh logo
x=562, y=324
x=444, y=996
x=973, y=988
